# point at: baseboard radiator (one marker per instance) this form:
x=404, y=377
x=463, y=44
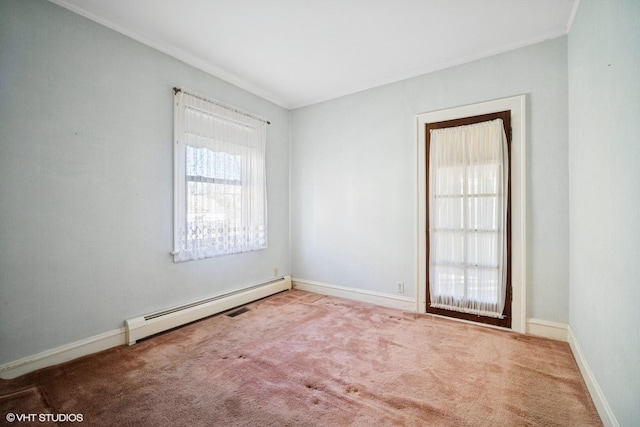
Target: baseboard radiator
x=154, y=323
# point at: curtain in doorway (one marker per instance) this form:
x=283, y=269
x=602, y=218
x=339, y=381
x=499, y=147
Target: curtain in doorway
x=468, y=196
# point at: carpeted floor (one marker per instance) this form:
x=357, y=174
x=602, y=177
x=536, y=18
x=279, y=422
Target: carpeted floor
x=302, y=359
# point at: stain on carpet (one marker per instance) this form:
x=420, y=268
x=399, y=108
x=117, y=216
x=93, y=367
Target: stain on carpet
x=300, y=359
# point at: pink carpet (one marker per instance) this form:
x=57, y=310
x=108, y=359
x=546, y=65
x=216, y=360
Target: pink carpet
x=302, y=359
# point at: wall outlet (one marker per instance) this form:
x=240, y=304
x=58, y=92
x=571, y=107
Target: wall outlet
x=275, y=271
x=400, y=287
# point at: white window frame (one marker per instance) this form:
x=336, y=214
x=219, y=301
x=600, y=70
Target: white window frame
x=181, y=179
x=516, y=105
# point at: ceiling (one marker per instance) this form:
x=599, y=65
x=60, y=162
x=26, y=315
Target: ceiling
x=300, y=52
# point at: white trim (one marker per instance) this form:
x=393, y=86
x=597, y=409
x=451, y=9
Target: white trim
x=153, y=323
x=597, y=395
x=119, y=337
x=372, y=297
x=572, y=15
x=518, y=198
x=277, y=99
x=432, y=68
x=178, y=54
x=63, y=353
x=547, y=329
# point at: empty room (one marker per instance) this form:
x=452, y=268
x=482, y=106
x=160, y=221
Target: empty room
x=320, y=213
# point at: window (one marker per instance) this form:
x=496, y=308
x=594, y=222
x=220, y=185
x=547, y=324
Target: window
x=219, y=178
x=468, y=170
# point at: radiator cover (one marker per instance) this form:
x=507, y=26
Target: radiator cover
x=154, y=323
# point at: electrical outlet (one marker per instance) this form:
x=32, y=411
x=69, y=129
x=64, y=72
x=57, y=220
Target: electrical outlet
x=400, y=286
x=275, y=271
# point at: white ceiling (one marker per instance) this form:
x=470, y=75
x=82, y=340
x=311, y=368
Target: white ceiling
x=299, y=52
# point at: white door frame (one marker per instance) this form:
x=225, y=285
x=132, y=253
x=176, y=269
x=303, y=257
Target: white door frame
x=518, y=198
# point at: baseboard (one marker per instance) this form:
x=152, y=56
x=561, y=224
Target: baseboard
x=372, y=297
x=63, y=353
x=117, y=337
x=597, y=395
x=547, y=329
x=153, y=323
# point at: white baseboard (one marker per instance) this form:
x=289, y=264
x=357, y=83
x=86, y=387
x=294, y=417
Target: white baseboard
x=118, y=337
x=599, y=400
x=153, y=323
x=372, y=297
x=114, y=338
x=547, y=329
x=538, y=327
x=63, y=353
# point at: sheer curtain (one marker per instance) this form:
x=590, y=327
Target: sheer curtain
x=220, y=179
x=468, y=185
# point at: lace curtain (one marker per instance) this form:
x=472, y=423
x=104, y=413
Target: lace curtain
x=221, y=199
x=468, y=185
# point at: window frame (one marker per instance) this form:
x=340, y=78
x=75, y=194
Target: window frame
x=505, y=321
x=182, y=176
x=517, y=106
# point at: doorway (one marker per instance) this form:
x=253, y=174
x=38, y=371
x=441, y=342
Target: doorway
x=516, y=302
x=469, y=239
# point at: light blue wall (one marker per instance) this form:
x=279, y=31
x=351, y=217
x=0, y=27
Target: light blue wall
x=604, y=171
x=86, y=125
x=354, y=175
x=86, y=181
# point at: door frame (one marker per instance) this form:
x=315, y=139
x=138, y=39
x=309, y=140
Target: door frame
x=516, y=105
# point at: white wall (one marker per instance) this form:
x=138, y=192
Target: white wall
x=604, y=151
x=86, y=181
x=354, y=186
